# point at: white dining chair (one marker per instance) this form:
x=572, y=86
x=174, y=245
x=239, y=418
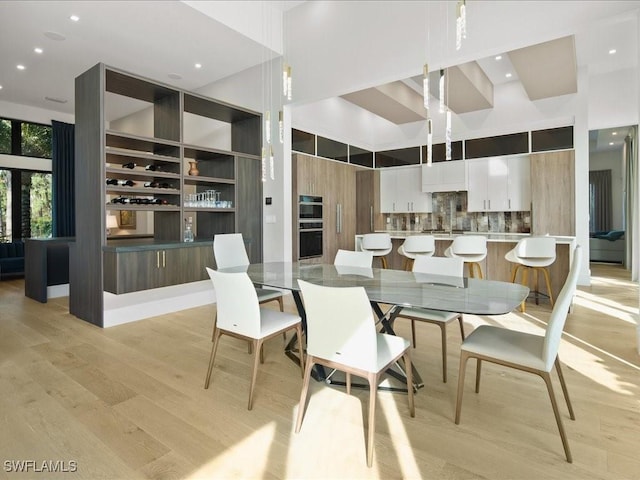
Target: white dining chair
x=379, y=244
x=451, y=267
x=528, y=352
x=413, y=245
x=239, y=315
x=341, y=334
x=229, y=251
x=471, y=248
x=351, y=258
x=536, y=254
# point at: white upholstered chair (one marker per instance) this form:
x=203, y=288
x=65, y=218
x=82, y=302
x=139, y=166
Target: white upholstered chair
x=239, y=315
x=531, y=353
x=536, y=254
x=350, y=258
x=416, y=245
x=471, y=248
x=229, y=251
x=379, y=244
x=452, y=267
x=341, y=334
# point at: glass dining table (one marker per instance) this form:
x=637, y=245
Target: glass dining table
x=394, y=289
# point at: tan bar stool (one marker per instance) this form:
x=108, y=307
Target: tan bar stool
x=471, y=248
x=379, y=244
x=416, y=245
x=533, y=253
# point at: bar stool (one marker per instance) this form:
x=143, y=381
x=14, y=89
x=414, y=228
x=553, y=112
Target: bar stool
x=533, y=253
x=416, y=245
x=471, y=248
x=379, y=244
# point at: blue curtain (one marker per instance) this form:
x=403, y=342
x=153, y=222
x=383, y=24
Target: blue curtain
x=63, y=179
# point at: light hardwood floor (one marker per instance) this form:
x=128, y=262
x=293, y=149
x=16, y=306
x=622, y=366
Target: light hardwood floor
x=128, y=402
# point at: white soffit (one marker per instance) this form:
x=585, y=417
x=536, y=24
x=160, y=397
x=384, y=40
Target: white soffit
x=547, y=69
x=395, y=101
x=469, y=88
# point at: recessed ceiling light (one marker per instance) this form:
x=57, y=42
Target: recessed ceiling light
x=198, y=65
x=37, y=50
x=614, y=133
x=0, y=87
x=58, y=37
x=498, y=57
x=175, y=76
x=612, y=51
x=508, y=75
x=74, y=18
x=610, y=143
x=20, y=67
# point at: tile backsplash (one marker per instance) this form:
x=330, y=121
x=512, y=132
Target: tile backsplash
x=450, y=213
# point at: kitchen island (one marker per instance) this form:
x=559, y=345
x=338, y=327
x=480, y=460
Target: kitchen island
x=494, y=266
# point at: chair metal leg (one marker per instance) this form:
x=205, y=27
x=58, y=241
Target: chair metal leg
x=413, y=332
x=304, y=392
x=480, y=276
x=565, y=392
x=548, y=281
x=525, y=282
x=384, y=261
x=215, y=320
x=470, y=266
x=514, y=273
x=256, y=361
x=478, y=372
x=300, y=350
x=409, y=374
x=217, y=333
x=463, y=369
x=373, y=389
x=461, y=320
x=443, y=335
x=565, y=443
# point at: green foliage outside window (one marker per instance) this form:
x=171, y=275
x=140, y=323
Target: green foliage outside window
x=41, y=220
x=5, y=184
x=36, y=140
x=5, y=135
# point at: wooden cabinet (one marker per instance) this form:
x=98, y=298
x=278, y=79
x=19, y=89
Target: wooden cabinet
x=335, y=182
x=136, y=141
x=553, y=193
x=146, y=268
x=368, y=218
x=498, y=184
x=400, y=191
x=448, y=176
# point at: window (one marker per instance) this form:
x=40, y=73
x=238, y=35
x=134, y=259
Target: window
x=599, y=200
x=25, y=194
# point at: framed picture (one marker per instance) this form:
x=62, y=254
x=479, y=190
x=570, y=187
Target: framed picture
x=127, y=219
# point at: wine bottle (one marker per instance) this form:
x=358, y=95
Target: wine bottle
x=112, y=181
x=151, y=184
x=126, y=183
x=118, y=200
x=153, y=168
x=159, y=201
x=130, y=165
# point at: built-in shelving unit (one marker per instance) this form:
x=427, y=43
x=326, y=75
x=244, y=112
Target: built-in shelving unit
x=137, y=141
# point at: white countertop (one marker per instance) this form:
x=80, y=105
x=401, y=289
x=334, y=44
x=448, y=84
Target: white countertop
x=491, y=236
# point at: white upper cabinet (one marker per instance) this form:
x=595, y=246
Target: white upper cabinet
x=445, y=177
x=499, y=184
x=400, y=191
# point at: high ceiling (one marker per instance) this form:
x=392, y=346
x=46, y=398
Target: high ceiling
x=163, y=40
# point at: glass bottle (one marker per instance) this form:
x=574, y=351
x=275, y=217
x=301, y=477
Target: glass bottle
x=188, y=233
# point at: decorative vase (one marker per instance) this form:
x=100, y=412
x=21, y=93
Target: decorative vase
x=194, y=169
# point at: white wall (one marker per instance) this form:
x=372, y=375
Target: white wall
x=611, y=160
x=259, y=89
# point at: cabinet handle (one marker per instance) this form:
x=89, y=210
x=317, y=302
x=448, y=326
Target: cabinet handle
x=164, y=259
x=489, y=204
x=484, y=204
x=394, y=206
x=509, y=204
x=157, y=259
x=338, y=218
x=371, y=218
x=412, y=209
x=409, y=206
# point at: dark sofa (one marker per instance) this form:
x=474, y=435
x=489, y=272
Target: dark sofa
x=11, y=259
